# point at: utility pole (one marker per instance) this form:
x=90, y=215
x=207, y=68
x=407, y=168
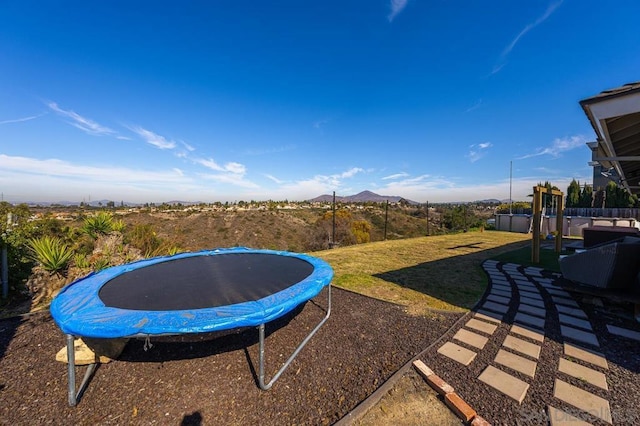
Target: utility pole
x=428, y=232
x=510, y=186
x=386, y=216
x=333, y=234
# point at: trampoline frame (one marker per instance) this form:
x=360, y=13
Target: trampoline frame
x=75, y=393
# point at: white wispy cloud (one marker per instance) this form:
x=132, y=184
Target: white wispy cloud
x=54, y=167
x=507, y=50
x=477, y=151
x=21, y=120
x=395, y=176
x=275, y=179
x=475, y=106
x=319, y=124
x=350, y=173
x=152, y=138
x=187, y=146
x=396, y=6
x=312, y=187
x=231, y=167
x=266, y=151
x=232, y=179
x=85, y=124
x=558, y=147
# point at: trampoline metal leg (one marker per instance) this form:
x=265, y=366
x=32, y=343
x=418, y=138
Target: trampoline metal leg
x=71, y=373
x=267, y=386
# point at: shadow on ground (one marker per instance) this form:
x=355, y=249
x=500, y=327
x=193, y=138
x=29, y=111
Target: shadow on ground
x=457, y=280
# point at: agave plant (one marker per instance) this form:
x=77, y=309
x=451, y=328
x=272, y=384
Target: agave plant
x=81, y=261
x=100, y=224
x=118, y=225
x=51, y=253
x=101, y=263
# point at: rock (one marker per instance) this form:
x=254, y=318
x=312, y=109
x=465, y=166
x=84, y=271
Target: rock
x=89, y=351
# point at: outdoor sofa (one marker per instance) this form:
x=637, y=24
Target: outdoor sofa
x=611, y=266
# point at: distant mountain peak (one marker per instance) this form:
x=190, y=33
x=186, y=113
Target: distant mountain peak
x=362, y=197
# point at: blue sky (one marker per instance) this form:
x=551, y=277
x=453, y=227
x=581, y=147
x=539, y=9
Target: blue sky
x=240, y=100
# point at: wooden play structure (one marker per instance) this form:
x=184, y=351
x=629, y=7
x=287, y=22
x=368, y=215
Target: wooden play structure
x=538, y=205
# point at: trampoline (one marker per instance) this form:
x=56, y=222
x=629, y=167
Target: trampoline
x=197, y=292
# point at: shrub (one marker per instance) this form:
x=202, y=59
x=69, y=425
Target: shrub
x=100, y=224
x=51, y=252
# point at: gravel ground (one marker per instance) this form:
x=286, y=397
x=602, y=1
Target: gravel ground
x=209, y=379
x=623, y=376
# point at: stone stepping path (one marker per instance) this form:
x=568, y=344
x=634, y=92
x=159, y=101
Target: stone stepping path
x=520, y=352
x=575, y=327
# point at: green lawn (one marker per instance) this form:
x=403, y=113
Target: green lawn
x=438, y=272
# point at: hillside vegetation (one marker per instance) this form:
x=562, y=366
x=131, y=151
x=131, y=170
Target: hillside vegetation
x=49, y=247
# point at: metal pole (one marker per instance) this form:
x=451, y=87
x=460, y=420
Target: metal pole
x=5, y=272
x=428, y=219
x=510, y=186
x=333, y=235
x=386, y=216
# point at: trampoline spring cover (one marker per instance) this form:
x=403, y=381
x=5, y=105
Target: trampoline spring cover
x=189, y=293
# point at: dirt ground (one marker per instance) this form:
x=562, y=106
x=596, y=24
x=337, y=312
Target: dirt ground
x=211, y=379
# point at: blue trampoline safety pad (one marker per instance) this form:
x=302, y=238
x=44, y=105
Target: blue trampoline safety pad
x=189, y=293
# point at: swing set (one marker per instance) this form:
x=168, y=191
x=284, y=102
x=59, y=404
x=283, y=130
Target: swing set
x=538, y=206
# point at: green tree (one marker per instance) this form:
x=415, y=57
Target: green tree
x=586, y=197
x=573, y=194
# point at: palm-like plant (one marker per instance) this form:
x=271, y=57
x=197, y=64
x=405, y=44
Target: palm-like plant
x=100, y=224
x=51, y=252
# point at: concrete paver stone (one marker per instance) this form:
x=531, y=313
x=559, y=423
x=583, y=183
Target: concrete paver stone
x=581, y=372
x=533, y=310
x=532, y=302
x=579, y=335
x=489, y=316
x=579, y=313
x=526, y=284
x=499, y=299
x=558, y=292
x=493, y=306
x=503, y=287
x=481, y=326
x=529, y=320
x=527, y=332
x=522, y=346
x=500, y=292
x=560, y=418
x=471, y=338
x=530, y=294
x=516, y=362
x=583, y=400
x=566, y=302
x=457, y=353
x=586, y=355
x=576, y=322
x=624, y=332
x=505, y=383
